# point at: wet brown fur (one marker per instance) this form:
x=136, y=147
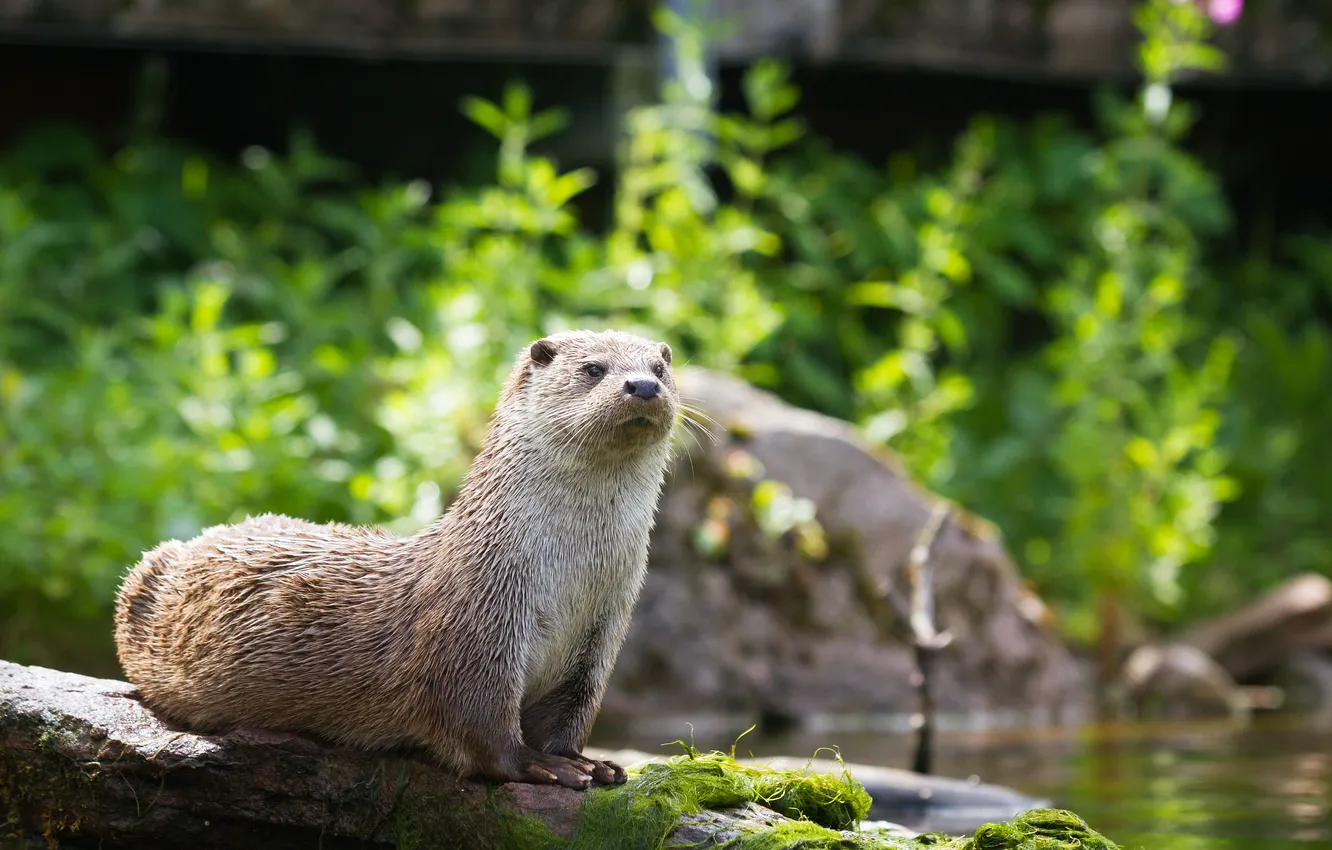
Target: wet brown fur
x=486, y=638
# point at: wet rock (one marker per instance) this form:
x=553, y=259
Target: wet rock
x=1254, y=641
x=1178, y=682
x=733, y=619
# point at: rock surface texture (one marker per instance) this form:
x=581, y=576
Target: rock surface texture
x=760, y=628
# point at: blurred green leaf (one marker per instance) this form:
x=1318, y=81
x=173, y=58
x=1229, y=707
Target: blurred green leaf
x=486, y=115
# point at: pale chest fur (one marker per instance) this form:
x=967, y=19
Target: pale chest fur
x=588, y=569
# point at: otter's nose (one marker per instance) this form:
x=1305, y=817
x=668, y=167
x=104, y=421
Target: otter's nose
x=644, y=388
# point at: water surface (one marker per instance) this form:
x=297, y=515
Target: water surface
x=1178, y=786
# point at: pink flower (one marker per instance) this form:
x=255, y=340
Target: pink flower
x=1225, y=12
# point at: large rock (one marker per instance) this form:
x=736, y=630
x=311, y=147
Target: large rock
x=1305, y=682
x=764, y=629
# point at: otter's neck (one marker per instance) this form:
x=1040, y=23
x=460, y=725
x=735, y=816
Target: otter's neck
x=523, y=489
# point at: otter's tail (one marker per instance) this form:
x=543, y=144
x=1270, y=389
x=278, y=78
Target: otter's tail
x=139, y=609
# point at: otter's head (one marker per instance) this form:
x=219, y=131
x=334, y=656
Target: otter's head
x=607, y=394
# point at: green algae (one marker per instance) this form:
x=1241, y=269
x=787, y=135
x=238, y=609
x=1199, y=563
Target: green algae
x=438, y=819
x=643, y=812
x=803, y=835
x=1038, y=829
x=522, y=832
x=40, y=797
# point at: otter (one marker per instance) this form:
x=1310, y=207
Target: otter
x=486, y=638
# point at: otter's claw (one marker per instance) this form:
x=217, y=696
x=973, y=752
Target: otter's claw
x=602, y=772
x=557, y=770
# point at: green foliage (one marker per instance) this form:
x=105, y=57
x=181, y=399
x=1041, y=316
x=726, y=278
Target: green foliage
x=1036, y=324
x=1274, y=426
x=1137, y=444
x=677, y=254
x=909, y=396
x=155, y=304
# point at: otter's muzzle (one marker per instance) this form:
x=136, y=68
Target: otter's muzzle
x=644, y=388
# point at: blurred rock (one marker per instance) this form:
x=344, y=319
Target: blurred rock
x=1305, y=682
x=1178, y=682
x=762, y=629
x=1254, y=641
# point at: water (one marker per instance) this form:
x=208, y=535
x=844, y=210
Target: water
x=1180, y=786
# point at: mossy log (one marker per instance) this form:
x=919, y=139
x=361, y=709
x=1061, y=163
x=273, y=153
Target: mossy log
x=84, y=764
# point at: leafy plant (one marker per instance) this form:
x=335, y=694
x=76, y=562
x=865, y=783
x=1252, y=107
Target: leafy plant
x=1138, y=443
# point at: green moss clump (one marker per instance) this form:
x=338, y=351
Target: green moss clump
x=1039, y=829
x=643, y=812
x=803, y=835
x=835, y=801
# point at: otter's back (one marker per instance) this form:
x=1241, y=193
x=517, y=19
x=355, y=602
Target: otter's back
x=224, y=629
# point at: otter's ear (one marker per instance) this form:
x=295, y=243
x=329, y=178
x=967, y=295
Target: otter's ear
x=543, y=351
x=666, y=353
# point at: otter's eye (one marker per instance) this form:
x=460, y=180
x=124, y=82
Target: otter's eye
x=593, y=370
x=659, y=370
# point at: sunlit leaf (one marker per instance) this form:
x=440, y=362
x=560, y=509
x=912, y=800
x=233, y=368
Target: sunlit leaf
x=486, y=115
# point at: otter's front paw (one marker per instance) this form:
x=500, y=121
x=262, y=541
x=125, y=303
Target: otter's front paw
x=602, y=772
x=543, y=768
x=609, y=773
